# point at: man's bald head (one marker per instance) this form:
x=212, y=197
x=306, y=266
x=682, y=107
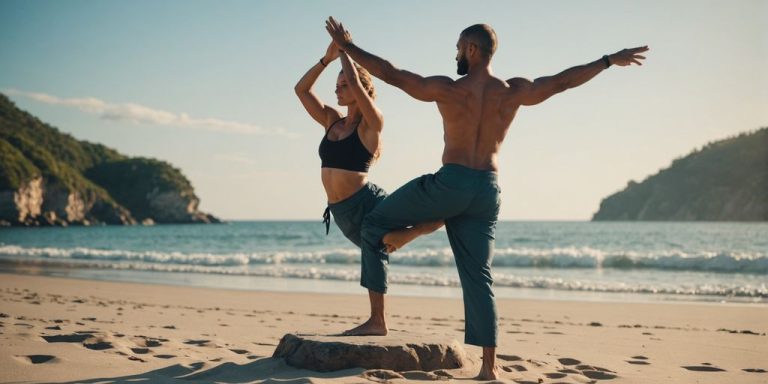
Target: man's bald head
x=483, y=36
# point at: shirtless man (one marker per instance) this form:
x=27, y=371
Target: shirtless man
x=477, y=110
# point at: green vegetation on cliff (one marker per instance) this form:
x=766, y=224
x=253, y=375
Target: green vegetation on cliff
x=130, y=181
x=14, y=167
x=726, y=180
x=109, y=187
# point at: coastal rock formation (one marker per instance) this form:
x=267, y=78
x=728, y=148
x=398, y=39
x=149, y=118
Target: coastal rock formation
x=398, y=351
x=50, y=178
x=727, y=180
x=23, y=203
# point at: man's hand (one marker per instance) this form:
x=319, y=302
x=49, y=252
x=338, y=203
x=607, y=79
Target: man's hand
x=331, y=54
x=628, y=56
x=340, y=36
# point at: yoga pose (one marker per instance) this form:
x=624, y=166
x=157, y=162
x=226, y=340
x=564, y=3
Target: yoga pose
x=477, y=110
x=350, y=144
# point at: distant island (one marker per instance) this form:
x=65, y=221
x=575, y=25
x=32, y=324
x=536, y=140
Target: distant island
x=50, y=178
x=726, y=180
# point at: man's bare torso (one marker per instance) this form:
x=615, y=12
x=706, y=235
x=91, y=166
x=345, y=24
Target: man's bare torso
x=476, y=121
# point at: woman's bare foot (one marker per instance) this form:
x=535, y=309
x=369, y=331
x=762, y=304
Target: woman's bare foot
x=372, y=327
x=397, y=239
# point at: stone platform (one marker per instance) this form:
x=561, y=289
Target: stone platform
x=398, y=351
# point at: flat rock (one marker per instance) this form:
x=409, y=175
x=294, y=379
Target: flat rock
x=398, y=351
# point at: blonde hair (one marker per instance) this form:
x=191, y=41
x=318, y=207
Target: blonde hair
x=365, y=80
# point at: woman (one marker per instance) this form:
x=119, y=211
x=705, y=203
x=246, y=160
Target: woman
x=349, y=147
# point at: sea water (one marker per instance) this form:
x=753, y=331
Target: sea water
x=625, y=261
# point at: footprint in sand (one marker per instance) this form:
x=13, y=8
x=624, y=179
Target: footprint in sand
x=165, y=356
x=71, y=338
x=592, y=372
x=754, y=370
x=599, y=375
x=639, y=360
x=509, y=357
x=140, y=351
x=37, y=359
x=420, y=375
x=97, y=344
x=704, y=367
x=568, y=361
x=149, y=342
x=537, y=363
x=381, y=374
x=514, y=368
x=555, y=375
x=239, y=351
x=198, y=343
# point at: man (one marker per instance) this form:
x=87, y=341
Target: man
x=477, y=110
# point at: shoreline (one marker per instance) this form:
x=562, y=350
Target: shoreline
x=330, y=286
x=157, y=332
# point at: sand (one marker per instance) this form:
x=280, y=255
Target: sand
x=61, y=330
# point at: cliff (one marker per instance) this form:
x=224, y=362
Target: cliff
x=50, y=178
x=726, y=180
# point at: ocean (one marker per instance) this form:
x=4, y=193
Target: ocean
x=601, y=261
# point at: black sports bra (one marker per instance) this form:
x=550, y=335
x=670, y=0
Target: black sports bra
x=348, y=153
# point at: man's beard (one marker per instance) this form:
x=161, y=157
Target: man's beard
x=462, y=66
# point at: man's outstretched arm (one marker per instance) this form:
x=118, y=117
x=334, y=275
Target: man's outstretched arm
x=434, y=88
x=534, y=92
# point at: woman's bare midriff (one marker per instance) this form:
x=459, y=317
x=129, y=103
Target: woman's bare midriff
x=340, y=184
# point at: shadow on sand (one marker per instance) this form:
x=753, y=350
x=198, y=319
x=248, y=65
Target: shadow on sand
x=267, y=370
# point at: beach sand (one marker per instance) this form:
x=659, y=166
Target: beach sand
x=59, y=330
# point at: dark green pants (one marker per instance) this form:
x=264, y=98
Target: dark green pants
x=468, y=201
x=349, y=213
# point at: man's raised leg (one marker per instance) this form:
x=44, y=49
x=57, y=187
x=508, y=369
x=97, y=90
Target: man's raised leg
x=421, y=200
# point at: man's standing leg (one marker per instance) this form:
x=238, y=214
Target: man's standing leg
x=472, y=237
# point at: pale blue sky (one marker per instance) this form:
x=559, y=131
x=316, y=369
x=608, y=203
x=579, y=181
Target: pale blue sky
x=208, y=86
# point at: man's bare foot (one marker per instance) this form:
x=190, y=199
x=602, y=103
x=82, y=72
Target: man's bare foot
x=488, y=373
x=369, y=328
x=489, y=370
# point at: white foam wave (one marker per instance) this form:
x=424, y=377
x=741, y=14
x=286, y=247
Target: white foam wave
x=758, y=290
x=564, y=258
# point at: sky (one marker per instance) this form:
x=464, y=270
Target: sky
x=208, y=87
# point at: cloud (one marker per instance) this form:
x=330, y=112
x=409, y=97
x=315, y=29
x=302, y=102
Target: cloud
x=140, y=114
